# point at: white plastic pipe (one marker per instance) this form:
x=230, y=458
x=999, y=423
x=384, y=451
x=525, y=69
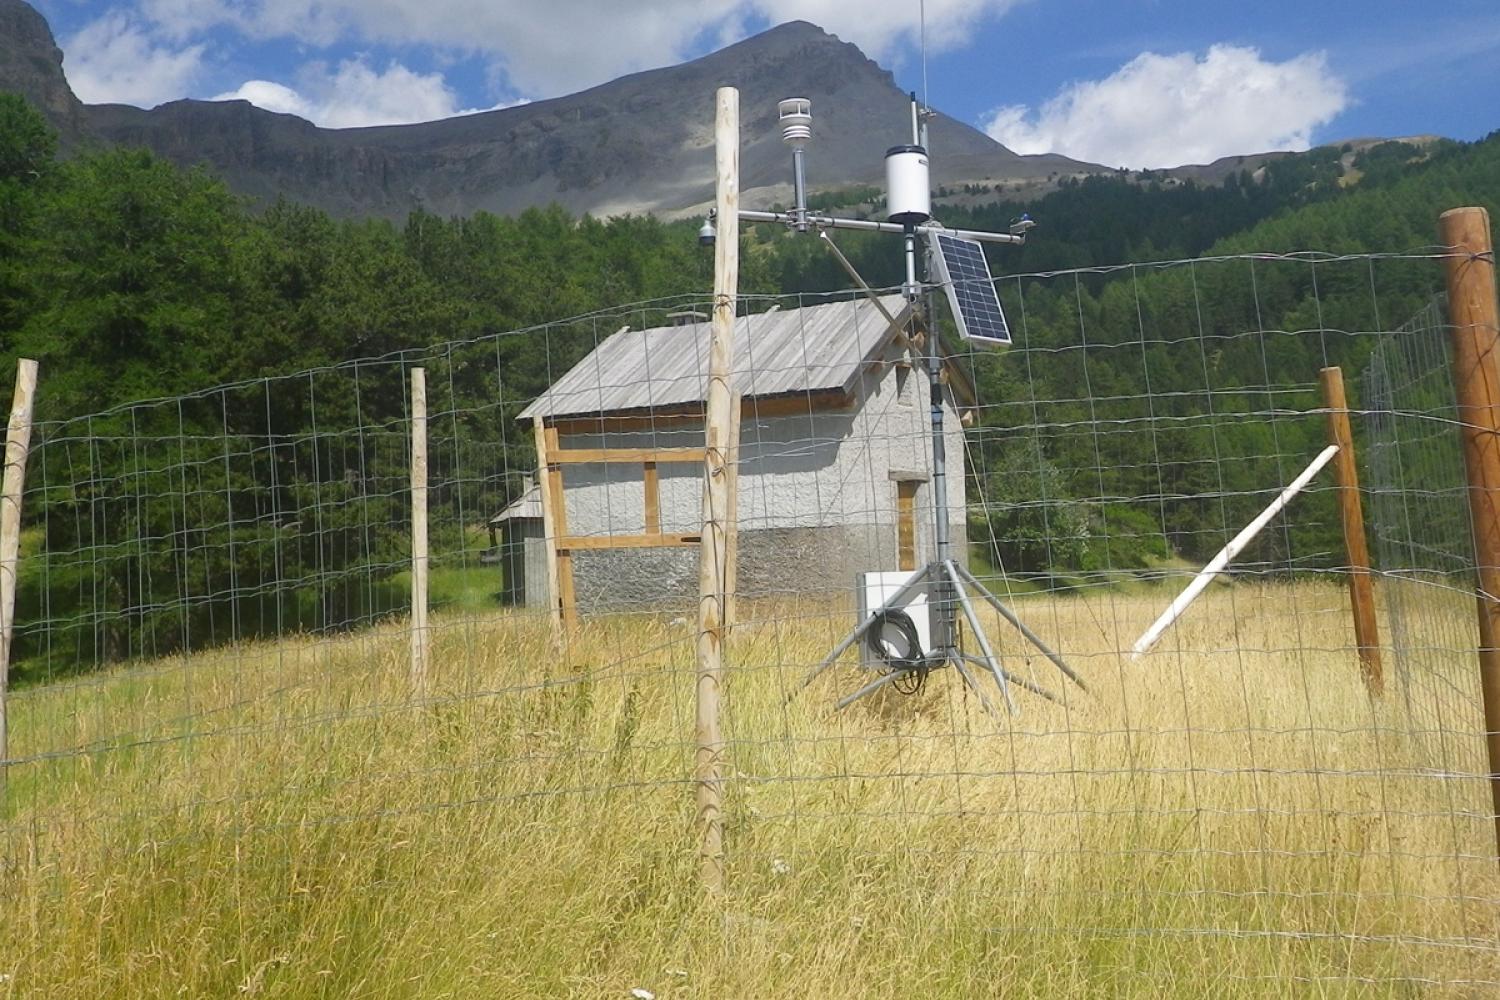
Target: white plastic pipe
x=1235, y=547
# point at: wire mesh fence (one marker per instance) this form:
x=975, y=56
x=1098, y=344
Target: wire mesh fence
x=212, y=653
x=1423, y=537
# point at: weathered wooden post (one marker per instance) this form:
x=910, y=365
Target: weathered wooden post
x=1352, y=518
x=1474, y=328
x=421, y=639
x=732, y=521
x=713, y=551
x=17, y=446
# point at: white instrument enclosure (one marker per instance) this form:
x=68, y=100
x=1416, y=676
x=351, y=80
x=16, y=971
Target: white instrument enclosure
x=873, y=590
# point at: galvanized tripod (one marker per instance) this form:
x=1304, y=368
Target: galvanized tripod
x=947, y=583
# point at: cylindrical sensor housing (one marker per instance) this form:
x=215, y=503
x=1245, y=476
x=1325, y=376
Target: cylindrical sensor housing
x=908, y=190
x=795, y=117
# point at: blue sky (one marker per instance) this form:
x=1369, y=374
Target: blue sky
x=1141, y=83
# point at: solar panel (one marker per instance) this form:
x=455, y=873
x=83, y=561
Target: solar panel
x=965, y=276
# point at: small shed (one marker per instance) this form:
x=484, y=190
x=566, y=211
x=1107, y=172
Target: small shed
x=833, y=463
x=518, y=540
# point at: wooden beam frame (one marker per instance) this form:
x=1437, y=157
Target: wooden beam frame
x=552, y=457
x=652, y=481
x=550, y=533
x=581, y=543
x=627, y=456
x=560, y=518
x=689, y=417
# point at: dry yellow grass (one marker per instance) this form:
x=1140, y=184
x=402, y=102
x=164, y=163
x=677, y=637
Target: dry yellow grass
x=1230, y=817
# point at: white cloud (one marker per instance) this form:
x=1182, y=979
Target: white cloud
x=1168, y=110
x=179, y=19
x=879, y=26
x=544, y=48
x=115, y=59
x=538, y=49
x=271, y=96
x=355, y=94
x=561, y=46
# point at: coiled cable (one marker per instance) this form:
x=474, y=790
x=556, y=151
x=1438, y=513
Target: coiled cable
x=912, y=664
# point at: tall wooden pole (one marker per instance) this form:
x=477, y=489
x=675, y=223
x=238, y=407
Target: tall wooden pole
x=1352, y=517
x=713, y=551
x=1474, y=316
x=732, y=521
x=17, y=446
x=421, y=638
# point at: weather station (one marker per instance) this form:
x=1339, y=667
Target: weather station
x=908, y=621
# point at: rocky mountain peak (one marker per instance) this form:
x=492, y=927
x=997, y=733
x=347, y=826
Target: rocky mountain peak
x=31, y=65
x=642, y=143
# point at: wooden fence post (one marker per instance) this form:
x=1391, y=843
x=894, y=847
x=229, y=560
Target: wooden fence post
x=17, y=446
x=713, y=549
x=732, y=521
x=1474, y=318
x=421, y=638
x=1352, y=517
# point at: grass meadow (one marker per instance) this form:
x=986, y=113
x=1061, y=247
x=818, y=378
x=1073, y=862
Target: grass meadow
x=1230, y=816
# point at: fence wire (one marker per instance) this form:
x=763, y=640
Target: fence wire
x=1423, y=537
x=213, y=715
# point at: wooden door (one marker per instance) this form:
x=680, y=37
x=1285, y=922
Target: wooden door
x=906, y=524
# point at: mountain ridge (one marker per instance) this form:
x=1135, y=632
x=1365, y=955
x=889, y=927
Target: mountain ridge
x=640, y=143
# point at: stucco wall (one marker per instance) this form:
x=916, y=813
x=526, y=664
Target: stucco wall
x=817, y=498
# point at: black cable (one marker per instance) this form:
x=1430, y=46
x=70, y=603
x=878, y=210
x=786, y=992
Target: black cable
x=912, y=666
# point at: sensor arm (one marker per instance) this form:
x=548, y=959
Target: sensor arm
x=875, y=226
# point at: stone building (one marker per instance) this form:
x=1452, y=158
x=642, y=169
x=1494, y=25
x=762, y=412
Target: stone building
x=834, y=463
